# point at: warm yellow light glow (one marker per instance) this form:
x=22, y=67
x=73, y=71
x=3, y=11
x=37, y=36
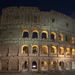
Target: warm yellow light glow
x=53, y=65
x=36, y=48
x=62, y=50
x=44, y=49
x=72, y=40
x=53, y=50
x=24, y=31
x=68, y=51
x=73, y=51
x=45, y=33
x=60, y=37
x=44, y=65
x=22, y=51
x=54, y=35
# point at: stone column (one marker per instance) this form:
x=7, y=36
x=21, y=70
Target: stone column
x=19, y=47
x=20, y=65
x=39, y=50
x=39, y=65
x=30, y=34
x=0, y=65
x=9, y=66
x=57, y=65
x=64, y=64
x=40, y=35
x=64, y=51
x=57, y=36
x=71, y=64
x=48, y=65
x=28, y=64
x=71, y=52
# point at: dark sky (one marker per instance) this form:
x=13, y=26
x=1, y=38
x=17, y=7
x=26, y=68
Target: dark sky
x=64, y=6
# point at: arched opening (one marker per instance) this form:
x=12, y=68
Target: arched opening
x=72, y=40
x=25, y=33
x=67, y=51
x=25, y=65
x=61, y=51
x=34, y=65
x=53, y=65
x=61, y=65
x=44, y=49
x=44, y=35
x=67, y=38
x=53, y=35
x=53, y=50
x=44, y=65
x=68, y=65
x=35, y=49
x=60, y=37
x=73, y=52
x=24, y=49
x=35, y=34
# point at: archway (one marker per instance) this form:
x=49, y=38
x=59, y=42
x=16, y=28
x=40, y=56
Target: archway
x=25, y=66
x=44, y=49
x=60, y=37
x=53, y=35
x=35, y=49
x=53, y=50
x=24, y=49
x=53, y=65
x=35, y=34
x=44, y=35
x=44, y=65
x=34, y=65
x=61, y=65
x=61, y=51
x=25, y=34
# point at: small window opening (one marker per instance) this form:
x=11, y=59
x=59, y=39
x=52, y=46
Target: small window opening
x=53, y=20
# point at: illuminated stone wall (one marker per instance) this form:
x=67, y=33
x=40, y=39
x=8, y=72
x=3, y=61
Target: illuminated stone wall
x=14, y=21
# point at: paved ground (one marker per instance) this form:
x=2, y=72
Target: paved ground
x=44, y=73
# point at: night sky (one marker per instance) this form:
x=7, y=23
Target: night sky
x=63, y=6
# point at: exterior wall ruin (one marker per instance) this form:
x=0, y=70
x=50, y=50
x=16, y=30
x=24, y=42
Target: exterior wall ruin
x=12, y=23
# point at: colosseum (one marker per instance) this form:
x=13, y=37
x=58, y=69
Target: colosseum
x=34, y=40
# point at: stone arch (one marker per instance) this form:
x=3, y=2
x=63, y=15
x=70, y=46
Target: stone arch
x=44, y=65
x=35, y=34
x=24, y=49
x=53, y=35
x=44, y=35
x=72, y=40
x=53, y=65
x=61, y=65
x=25, y=65
x=67, y=51
x=61, y=51
x=35, y=49
x=53, y=50
x=73, y=52
x=34, y=65
x=25, y=34
x=60, y=37
x=44, y=49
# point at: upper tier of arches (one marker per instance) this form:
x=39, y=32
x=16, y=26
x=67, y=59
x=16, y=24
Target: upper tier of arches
x=44, y=35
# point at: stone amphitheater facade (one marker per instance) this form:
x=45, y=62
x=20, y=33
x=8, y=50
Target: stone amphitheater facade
x=34, y=40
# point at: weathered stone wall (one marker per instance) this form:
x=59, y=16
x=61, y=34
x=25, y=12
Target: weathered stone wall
x=14, y=20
